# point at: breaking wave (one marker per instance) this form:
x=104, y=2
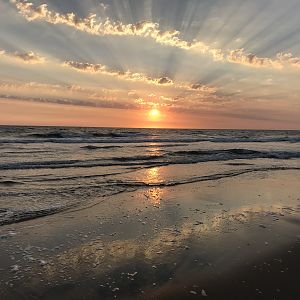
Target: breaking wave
x=166, y=158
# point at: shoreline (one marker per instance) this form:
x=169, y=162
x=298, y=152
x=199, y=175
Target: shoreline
x=139, y=185
x=147, y=243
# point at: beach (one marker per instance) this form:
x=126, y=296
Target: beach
x=149, y=149
x=226, y=228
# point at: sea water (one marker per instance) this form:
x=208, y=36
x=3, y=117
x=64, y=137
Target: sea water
x=47, y=170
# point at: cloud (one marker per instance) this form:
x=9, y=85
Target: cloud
x=203, y=88
x=26, y=57
x=104, y=6
x=282, y=59
x=94, y=25
x=165, y=80
x=29, y=85
x=125, y=75
x=154, y=100
x=239, y=56
x=138, y=77
x=288, y=58
x=29, y=57
x=58, y=90
x=74, y=102
x=107, y=98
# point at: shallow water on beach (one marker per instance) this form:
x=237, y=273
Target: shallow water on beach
x=47, y=170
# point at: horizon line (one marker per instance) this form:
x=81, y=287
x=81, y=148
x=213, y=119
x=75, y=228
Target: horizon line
x=154, y=128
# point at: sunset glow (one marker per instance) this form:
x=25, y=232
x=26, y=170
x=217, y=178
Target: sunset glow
x=213, y=65
x=154, y=114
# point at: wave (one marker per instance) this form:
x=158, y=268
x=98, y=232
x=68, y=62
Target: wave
x=93, y=147
x=81, y=197
x=167, y=158
x=85, y=133
x=170, y=145
x=49, y=135
x=75, y=177
x=139, y=158
x=10, y=216
x=211, y=177
x=10, y=182
x=25, y=152
x=126, y=134
x=15, y=134
x=130, y=140
x=72, y=164
x=238, y=153
x=21, y=135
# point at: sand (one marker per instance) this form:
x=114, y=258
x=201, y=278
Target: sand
x=233, y=238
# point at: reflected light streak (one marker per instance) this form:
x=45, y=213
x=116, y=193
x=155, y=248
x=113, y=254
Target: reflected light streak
x=154, y=195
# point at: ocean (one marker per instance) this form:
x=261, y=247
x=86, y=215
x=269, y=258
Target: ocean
x=48, y=170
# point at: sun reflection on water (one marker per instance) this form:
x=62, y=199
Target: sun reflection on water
x=155, y=149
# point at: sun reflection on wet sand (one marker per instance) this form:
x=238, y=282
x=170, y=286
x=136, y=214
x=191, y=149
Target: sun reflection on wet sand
x=154, y=194
x=153, y=175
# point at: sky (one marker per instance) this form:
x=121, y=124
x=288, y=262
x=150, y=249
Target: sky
x=111, y=63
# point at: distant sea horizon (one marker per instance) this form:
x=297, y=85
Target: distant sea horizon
x=166, y=128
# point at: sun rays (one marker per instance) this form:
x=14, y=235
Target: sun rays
x=191, y=58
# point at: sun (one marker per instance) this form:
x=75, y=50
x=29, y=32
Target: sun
x=154, y=114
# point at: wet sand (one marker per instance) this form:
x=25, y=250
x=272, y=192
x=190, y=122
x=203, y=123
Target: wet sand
x=233, y=238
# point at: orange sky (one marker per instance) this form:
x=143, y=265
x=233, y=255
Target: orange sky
x=202, y=64
x=39, y=114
